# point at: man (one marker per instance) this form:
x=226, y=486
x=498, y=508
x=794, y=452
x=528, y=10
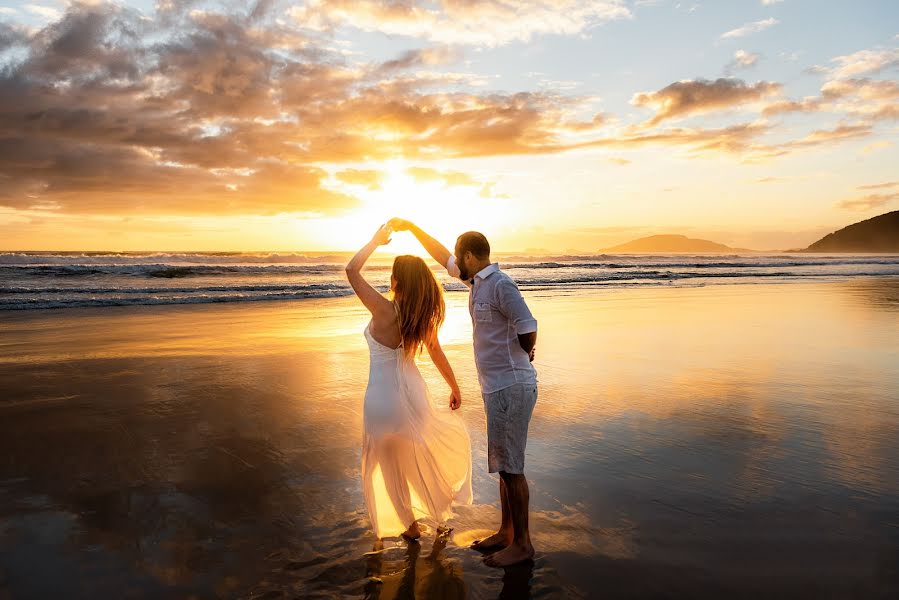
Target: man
x=505, y=334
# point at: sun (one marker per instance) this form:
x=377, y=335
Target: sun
x=441, y=209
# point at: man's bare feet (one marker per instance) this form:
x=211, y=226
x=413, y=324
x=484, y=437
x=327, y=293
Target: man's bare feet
x=511, y=555
x=413, y=533
x=500, y=539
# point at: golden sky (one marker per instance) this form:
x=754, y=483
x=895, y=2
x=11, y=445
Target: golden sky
x=550, y=125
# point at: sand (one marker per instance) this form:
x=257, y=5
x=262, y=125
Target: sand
x=722, y=441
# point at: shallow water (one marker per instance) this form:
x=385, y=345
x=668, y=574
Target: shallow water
x=722, y=441
x=41, y=280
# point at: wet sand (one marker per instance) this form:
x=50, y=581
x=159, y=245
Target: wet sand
x=735, y=441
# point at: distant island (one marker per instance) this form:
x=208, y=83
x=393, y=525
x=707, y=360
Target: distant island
x=671, y=243
x=878, y=234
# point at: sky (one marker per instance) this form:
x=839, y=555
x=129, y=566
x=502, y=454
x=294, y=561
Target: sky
x=550, y=125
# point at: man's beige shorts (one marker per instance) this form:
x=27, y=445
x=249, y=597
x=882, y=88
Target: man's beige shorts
x=508, y=414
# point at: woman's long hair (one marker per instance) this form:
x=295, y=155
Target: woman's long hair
x=419, y=298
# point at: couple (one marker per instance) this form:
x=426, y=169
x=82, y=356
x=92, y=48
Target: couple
x=416, y=458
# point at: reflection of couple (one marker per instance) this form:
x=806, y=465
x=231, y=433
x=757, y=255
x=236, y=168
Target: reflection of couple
x=416, y=457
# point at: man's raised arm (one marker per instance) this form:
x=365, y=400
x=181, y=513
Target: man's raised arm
x=434, y=248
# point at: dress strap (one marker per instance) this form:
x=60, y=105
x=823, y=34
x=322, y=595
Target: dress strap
x=396, y=310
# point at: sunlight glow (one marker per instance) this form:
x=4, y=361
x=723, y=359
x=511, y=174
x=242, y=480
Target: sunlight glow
x=441, y=209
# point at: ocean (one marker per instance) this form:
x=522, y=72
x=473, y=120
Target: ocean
x=40, y=280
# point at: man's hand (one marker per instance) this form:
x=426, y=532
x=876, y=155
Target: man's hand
x=528, y=341
x=399, y=224
x=455, y=399
x=437, y=251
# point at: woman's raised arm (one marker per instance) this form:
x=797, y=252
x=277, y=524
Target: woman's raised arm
x=373, y=300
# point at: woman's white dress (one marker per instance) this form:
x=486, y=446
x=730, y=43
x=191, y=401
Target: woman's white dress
x=416, y=456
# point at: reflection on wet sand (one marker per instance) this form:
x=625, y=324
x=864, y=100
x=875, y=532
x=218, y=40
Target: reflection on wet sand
x=412, y=575
x=685, y=441
x=404, y=571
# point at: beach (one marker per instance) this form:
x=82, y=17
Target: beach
x=737, y=440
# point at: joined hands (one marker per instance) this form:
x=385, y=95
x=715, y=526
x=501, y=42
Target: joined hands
x=399, y=224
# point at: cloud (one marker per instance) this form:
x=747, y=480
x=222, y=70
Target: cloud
x=840, y=132
x=198, y=111
x=734, y=139
x=871, y=99
x=45, y=12
x=771, y=2
x=421, y=57
x=450, y=178
x=192, y=111
x=366, y=178
x=875, y=146
x=11, y=36
x=879, y=186
x=868, y=202
x=481, y=22
x=750, y=28
x=454, y=179
x=742, y=60
x=865, y=62
x=690, y=97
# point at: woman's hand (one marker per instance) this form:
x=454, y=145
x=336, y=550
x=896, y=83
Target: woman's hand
x=455, y=399
x=382, y=235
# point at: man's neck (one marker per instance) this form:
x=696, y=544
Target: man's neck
x=481, y=266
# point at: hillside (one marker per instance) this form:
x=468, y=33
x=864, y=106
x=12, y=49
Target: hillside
x=878, y=234
x=670, y=243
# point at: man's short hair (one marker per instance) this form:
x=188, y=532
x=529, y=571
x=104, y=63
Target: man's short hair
x=474, y=242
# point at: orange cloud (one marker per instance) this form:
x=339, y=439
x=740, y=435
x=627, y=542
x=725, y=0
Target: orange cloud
x=879, y=186
x=367, y=178
x=865, y=62
x=454, y=178
x=686, y=98
x=872, y=99
x=201, y=112
x=869, y=201
x=218, y=116
x=449, y=178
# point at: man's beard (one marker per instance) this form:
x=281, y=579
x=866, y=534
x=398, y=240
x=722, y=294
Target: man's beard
x=463, y=273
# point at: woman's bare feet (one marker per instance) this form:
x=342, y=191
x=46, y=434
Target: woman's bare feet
x=500, y=539
x=413, y=533
x=444, y=531
x=511, y=555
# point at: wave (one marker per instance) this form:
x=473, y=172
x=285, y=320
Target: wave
x=786, y=256
x=38, y=303
x=170, y=271
x=310, y=288
x=703, y=265
x=25, y=297
x=177, y=271
x=138, y=258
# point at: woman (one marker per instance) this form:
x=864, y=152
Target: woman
x=416, y=458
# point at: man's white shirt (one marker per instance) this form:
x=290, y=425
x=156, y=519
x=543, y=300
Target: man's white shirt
x=498, y=315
